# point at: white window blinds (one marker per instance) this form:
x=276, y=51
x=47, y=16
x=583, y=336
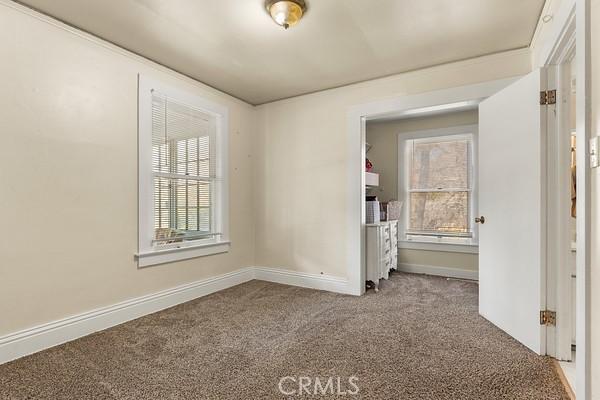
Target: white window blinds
x=184, y=171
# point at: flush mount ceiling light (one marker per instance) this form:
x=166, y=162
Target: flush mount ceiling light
x=286, y=12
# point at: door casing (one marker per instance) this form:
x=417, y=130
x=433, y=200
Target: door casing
x=465, y=97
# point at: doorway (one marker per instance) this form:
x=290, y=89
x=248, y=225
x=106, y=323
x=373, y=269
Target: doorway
x=562, y=200
x=431, y=103
x=457, y=97
x=425, y=187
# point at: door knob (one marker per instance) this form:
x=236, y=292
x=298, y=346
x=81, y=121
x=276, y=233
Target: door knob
x=480, y=220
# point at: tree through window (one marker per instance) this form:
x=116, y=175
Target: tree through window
x=439, y=192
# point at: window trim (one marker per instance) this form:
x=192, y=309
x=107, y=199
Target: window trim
x=466, y=247
x=148, y=253
x=444, y=244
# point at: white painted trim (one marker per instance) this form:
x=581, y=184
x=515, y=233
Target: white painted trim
x=41, y=337
x=438, y=271
x=559, y=296
x=451, y=99
x=563, y=31
x=356, y=213
x=38, y=338
x=584, y=200
x=181, y=253
x=302, y=279
x=471, y=132
x=446, y=247
x=538, y=34
x=571, y=33
x=148, y=254
x=559, y=51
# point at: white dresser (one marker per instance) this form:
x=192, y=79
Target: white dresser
x=382, y=250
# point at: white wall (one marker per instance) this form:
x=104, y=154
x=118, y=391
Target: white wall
x=68, y=200
x=68, y=167
x=445, y=259
x=302, y=161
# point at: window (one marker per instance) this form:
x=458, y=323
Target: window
x=438, y=186
x=183, y=142
x=182, y=192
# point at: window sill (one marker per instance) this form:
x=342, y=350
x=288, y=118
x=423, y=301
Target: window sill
x=163, y=256
x=433, y=246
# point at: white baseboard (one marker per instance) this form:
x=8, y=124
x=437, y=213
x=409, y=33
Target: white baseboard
x=302, y=279
x=44, y=336
x=439, y=271
x=29, y=341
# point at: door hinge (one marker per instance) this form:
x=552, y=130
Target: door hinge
x=547, y=97
x=548, y=317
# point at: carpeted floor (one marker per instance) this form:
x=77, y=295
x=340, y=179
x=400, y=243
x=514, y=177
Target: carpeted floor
x=418, y=338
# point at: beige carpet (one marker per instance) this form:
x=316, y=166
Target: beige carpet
x=418, y=338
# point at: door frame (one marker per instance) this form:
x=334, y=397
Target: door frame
x=429, y=103
x=559, y=181
x=574, y=16
x=584, y=200
x=571, y=35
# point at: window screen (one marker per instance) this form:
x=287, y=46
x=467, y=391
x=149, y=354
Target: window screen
x=183, y=166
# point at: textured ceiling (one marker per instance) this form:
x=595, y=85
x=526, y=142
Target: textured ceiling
x=234, y=46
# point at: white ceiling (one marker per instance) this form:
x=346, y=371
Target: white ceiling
x=234, y=46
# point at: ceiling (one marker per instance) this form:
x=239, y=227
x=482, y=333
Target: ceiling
x=234, y=46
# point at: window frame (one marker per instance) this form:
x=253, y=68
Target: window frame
x=451, y=243
x=150, y=253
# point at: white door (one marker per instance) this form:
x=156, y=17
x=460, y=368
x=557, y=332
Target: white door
x=512, y=284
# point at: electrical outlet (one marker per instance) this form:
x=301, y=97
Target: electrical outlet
x=594, y=152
